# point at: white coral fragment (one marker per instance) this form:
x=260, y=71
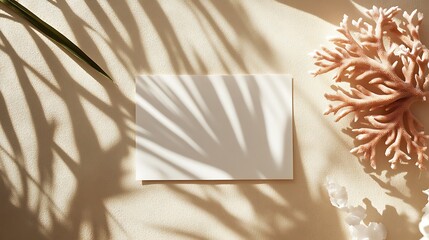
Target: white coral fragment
x=355, y=215
x=374, y=231
x=424, y=222
x=337, y=194
x=386, y=67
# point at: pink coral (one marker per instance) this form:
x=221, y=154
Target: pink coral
x=386, y=68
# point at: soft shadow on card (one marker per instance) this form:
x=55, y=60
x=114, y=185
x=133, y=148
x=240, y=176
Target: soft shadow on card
x=216, y=127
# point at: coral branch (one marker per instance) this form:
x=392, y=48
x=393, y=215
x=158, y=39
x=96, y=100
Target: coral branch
x=386, y=68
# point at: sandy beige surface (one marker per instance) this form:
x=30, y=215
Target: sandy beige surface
x=67, y=141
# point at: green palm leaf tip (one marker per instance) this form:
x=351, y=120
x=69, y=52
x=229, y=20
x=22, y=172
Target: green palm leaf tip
x=53, y=34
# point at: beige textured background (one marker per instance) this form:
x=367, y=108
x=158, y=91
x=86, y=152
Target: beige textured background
x=67, y=142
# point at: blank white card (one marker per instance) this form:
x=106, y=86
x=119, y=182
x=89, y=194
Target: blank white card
x=214, y=127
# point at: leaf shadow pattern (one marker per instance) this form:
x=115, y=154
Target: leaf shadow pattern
x=32, y=200
x=270, y=213
x=96, y=169
x=208, y=131
x=280, y=210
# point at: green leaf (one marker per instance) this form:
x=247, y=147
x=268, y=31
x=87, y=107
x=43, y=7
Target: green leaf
x=53, y=34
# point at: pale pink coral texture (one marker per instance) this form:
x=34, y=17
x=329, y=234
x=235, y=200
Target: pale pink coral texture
x=386, y=66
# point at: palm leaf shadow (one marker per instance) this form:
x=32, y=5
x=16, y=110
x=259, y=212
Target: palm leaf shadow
x=205, y=131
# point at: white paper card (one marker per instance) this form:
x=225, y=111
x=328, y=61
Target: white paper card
x=214, y=127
